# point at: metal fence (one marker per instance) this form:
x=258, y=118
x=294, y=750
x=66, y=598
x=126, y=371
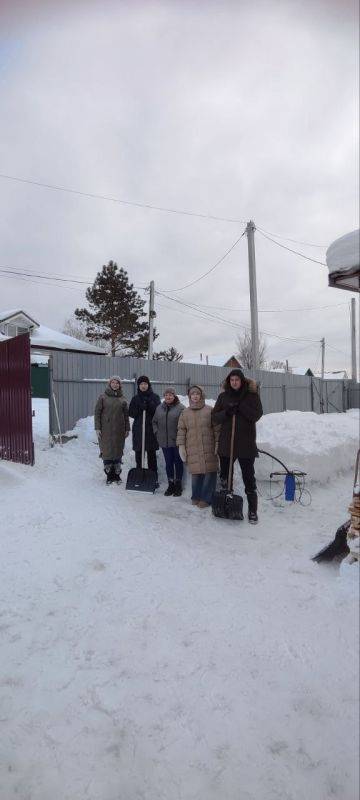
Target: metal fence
x=16, y=442
x=76, y=380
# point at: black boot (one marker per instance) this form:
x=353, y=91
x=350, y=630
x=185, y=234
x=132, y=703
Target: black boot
x=170, y=490
x=110, y=474
x=252, y=507
x=178, y=489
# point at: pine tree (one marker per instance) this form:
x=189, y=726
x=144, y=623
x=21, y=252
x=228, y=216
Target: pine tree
x=116, y=313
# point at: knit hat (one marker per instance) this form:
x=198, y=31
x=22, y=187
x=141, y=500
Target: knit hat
x=143, y=379
x=115, y=378
x=170, y=390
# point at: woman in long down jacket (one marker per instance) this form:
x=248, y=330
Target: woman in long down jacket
x=145, y=400
x=165, y=425
x=240, y=398
x=196, y=439
x=112, y=427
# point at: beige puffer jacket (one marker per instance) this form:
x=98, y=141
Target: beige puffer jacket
x=198, y=434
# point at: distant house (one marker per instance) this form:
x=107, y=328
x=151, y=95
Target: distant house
x=43, y=340
x=232, y=363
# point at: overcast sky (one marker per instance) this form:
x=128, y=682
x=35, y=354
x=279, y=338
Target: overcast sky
x=236, y=110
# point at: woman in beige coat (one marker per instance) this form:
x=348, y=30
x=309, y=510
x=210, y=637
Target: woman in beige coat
x=196, y=439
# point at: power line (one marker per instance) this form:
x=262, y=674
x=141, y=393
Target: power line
x=13, y=272
x=272, y=311
x=180, y=289
x=110, y=199
x=296, y=252
x=232, y=323
x=295, y=241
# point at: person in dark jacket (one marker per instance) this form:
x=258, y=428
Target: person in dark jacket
x=165, y=425
x=112, y=427
x=145, y=400
x=240, y=398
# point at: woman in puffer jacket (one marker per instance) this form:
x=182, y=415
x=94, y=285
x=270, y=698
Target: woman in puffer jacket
x=165, y=425
x=197, y=441
x=112, y=427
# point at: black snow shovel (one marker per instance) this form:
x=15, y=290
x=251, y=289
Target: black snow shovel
x=226, y=504
x=140, y=479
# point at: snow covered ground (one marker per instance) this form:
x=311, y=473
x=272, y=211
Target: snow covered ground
x=152, y=652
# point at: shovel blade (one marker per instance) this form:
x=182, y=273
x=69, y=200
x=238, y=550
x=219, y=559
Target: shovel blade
x=227, y=505
x=141, y=480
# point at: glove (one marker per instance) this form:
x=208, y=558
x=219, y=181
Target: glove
x=182, y=453
x=231, y=410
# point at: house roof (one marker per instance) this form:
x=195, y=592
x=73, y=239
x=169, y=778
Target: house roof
x=45, y=338
x=6, y=316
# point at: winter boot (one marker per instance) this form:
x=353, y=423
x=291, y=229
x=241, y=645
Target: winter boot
x=178, y=489
x=252, y=507
x=117, y=473
x=110, y=474
x=170, y=490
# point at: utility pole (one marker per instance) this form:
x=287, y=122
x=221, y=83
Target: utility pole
x=353, y=340
x=250, y=229
x=322, y=375
x=152, y=315
x=322, y=358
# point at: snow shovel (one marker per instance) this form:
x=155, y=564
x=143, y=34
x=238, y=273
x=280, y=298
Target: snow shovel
x=140, y=479
x=228, y=505
x=339, y=545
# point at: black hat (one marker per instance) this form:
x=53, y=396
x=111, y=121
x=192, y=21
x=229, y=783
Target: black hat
x=236, y=372
x=143, y=379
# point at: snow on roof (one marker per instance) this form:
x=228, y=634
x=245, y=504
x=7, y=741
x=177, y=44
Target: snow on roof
x=344, y=253
x=343, y=260
x=15, y=312
x=47, y=338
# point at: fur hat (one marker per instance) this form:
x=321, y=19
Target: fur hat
x=198, y=388
x=144, y=379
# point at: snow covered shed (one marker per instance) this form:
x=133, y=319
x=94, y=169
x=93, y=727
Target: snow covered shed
x=343, y=261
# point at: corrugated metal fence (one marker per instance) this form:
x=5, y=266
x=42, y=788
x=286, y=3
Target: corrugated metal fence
x=76, y=380
x=16, y=442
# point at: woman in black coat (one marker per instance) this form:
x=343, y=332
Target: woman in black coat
x=240, y=398
x=144, y=400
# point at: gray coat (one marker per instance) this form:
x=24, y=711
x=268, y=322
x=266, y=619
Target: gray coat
x=165, y=423
x=112, y=420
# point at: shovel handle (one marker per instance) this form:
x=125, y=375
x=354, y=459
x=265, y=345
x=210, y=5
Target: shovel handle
x=231, y=464
x=143, y=440
x=357, y=468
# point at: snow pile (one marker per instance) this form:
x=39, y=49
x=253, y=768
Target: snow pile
x=322, y=445
x=344, y=253
x=152, y=651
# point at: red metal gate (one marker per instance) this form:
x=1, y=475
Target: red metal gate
x=16, y=441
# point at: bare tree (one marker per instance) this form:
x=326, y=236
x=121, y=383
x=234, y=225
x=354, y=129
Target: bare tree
x=244, y=353
x=74, y=327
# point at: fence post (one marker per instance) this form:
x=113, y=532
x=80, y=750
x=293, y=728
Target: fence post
x=312, y=394
x=134, y=384
x=326, y=397
x=284, y=396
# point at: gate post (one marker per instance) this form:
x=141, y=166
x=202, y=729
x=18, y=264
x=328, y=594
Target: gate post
x=284, y=396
